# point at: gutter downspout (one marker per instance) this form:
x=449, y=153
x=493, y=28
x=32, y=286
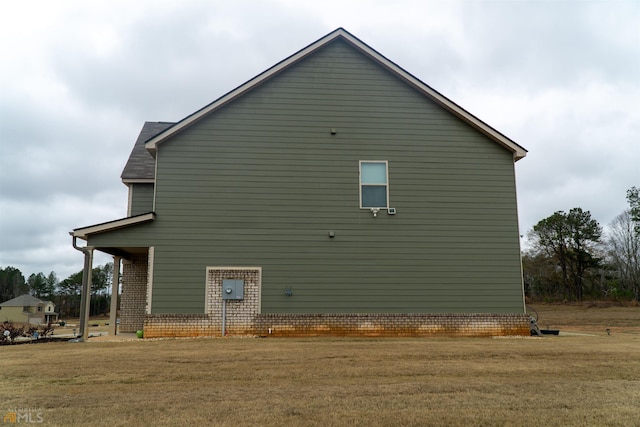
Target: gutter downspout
x=86, y=291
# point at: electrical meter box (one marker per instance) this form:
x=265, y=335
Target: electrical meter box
x=232, y=289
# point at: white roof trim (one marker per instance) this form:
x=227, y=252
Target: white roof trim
x=112, y=225
x=138, y=180
x=518, y=151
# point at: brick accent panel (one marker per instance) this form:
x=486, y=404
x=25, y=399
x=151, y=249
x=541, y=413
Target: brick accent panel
x=350, y=325
x=133, y=300
x=240, y=314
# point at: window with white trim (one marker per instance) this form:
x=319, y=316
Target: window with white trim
x=374, y=184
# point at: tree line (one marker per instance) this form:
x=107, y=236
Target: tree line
x=65, y=294
x=571, y=257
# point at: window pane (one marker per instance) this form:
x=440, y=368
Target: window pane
x=374, y=196
x=374, y=173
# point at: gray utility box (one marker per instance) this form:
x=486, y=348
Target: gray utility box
x=232, y=289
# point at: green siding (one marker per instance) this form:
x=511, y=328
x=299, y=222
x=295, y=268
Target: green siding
x=262, y=181
x=141, y=198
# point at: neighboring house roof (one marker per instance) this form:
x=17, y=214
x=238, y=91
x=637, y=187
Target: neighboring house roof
x=112, y=225
x=141, y=165
x=517, y=150
x=24, y=301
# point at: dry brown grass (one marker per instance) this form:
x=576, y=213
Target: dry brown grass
x=557, y=381
x=594, y=317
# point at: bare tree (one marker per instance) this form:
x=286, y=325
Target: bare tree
x=633, y=197
x=624, y=252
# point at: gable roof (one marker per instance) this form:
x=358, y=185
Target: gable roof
x=517, y=150
x=23, y=301
x=141, y=165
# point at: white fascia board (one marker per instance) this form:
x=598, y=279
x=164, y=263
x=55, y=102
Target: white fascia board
x=84, y=232
x=138, y=181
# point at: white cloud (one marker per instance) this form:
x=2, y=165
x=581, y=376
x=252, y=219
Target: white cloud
x=78, y=79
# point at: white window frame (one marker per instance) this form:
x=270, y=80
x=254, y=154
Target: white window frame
x=386, y=165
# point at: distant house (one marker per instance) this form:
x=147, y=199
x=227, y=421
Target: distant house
x=333, y=194
x=28, y=309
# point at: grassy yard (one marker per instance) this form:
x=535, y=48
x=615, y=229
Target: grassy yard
x=575, y=380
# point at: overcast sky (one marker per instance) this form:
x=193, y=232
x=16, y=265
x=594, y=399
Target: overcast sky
x=79, y=78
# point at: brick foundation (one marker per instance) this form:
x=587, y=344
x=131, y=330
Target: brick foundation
x=392, y=325
x=244, y=318
x=348, y=325
x=180, y=325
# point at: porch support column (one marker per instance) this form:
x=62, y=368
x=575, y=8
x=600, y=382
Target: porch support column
x=113, y=312
x=85, y=302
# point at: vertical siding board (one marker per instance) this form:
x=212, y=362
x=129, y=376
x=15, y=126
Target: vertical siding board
x=262, y=181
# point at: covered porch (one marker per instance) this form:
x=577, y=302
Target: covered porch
x=133, y=264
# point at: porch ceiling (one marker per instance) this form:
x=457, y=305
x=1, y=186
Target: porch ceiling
x=124, y=252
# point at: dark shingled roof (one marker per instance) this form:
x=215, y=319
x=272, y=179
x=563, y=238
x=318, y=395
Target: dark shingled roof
x=141, y=165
